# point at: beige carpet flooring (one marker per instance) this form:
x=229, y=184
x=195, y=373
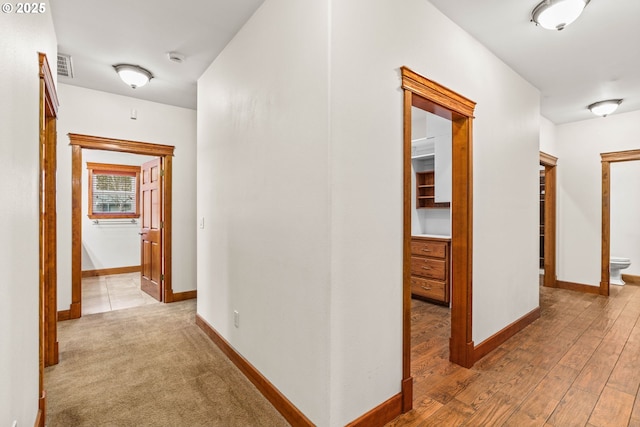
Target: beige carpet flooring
x=148, y=366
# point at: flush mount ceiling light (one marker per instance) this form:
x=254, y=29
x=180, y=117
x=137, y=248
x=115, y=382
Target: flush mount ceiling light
x=557, y=14
x=604, y=108
x=133, y=75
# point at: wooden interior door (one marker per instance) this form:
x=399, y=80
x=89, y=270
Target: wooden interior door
x=151, y=231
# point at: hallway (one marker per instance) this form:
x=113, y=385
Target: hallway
x=148, y=366
x=575, y=366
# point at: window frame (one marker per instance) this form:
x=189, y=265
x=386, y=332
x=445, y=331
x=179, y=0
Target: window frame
x=117, y=170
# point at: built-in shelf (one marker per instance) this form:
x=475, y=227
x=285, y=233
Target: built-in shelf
x=426, y=191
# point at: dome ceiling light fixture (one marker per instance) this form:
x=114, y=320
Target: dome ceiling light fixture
x=133, y=75
x=604, y=108
x=557, y=14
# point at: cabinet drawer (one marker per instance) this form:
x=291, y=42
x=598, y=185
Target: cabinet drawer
x=428, y=248
x=428, y=267
x=433, y=289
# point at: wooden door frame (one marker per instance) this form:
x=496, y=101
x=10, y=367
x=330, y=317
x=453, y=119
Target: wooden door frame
x=605, y=244
x=550, y=190
x=442, y=101
x=47, y=304
x=79, y=142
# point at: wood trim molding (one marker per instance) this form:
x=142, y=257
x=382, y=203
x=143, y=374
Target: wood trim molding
x=76, y=228
x=631, y=279
x=461, y=343
x=620, y=156
x=181, y=296
x=51, y=96
x=72, y=313
x=94, y=169
x=548, y=159
x=605, y=245
x=550, y=223
x=79, y=142
x=42, y=410
x=437, y=93
x=167, y=201
x=406, y=256
x=380, y=415
x=121, y=145
x=430, y=96
x=268, y=390
x=406, y=388
x=76, y=310
x=491, y=343
x=48, y=351
x=579, y=287
x=126, y=170
x=110, y=271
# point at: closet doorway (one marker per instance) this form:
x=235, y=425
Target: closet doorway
x=548, y=218
x=165, y=155
x=424, y=94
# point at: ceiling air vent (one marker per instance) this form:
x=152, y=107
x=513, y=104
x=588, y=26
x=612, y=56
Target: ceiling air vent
x=64, y=66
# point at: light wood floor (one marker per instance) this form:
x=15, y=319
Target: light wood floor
x=578, y=365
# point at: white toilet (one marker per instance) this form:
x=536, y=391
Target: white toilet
x=616, y=265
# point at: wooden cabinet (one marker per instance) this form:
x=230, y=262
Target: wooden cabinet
x=426, y=191
x=430, y=269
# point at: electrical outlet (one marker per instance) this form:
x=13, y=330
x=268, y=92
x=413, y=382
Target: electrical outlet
x=236, y=318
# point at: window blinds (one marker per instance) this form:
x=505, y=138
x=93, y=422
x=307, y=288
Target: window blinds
x=114, y=193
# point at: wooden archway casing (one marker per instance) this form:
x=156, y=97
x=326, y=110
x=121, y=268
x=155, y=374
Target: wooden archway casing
x=79, y=142
x=437, y=99
x=607, y=159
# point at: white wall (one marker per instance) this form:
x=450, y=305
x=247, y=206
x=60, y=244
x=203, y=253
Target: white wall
x=21, y=38
x=625, y=211
x=305, y=202
x=108, y=244
x=264, y=193
x=95, y=113
x=580, y=190
x=548, y=139
x=371, y=40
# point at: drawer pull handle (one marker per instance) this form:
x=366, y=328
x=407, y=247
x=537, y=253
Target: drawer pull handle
x=425, y=288
x=426, y=267
x=426, y=250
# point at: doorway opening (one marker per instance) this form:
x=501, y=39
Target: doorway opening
x=156, y=227
x=548, y=165
x=426, y=95
x=114, y=208
x=607, y=159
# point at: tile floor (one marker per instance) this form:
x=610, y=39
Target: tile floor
x=115, y=292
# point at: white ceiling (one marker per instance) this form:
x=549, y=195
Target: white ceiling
x=101, y=33
x=595, y=58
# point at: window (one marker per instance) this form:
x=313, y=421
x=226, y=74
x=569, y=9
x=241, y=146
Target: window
x=113, y=191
